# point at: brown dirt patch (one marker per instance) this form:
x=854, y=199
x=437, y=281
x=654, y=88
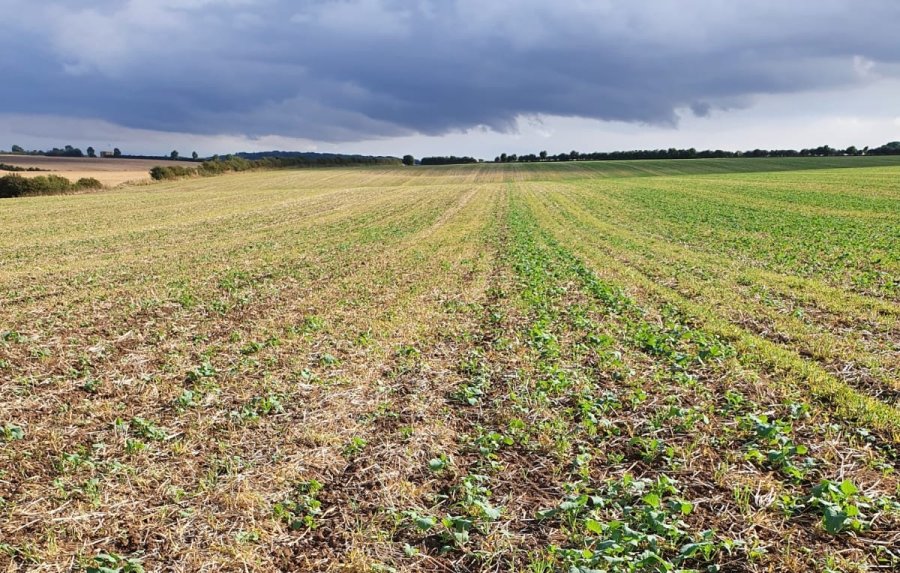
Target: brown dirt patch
x=109, y=171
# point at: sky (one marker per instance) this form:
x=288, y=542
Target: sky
x=442, y=77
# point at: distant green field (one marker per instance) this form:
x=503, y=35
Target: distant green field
x=657, y=167
x=586, y=366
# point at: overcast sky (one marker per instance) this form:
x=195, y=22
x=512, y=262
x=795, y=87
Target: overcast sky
x=475, y=77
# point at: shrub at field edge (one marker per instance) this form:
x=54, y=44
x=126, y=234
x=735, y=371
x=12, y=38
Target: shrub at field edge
x=18, y=186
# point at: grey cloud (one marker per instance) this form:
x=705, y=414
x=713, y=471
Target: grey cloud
x=345, y=70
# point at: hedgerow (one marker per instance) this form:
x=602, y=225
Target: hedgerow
x=18, y=186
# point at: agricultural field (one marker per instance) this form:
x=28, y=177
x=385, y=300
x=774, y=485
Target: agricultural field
x=618, y=366
x=110, y=172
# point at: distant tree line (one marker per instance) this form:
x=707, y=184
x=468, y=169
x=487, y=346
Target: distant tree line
x=314, y=157
x=233, y=163
x=18, y=186
x=67, y=151
x=447, y=160
x=892, y=148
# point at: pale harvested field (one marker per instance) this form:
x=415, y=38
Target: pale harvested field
x=584, y=367
x=110, y=172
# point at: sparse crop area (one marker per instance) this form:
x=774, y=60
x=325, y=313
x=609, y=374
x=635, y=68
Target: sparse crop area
x=586, y=366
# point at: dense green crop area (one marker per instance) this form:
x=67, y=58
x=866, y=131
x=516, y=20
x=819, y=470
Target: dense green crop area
x=611, y=366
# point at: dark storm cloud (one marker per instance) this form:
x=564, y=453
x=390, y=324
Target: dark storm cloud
x=345, y=70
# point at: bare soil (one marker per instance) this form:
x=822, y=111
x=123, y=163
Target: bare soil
x=109, y=171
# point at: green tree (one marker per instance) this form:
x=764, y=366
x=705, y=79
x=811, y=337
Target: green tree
x=194, y=155
x=543, y=155
x=117, y=152
x=91, y=152
x=174, y=154
x=409, y=160
x=17, y=149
